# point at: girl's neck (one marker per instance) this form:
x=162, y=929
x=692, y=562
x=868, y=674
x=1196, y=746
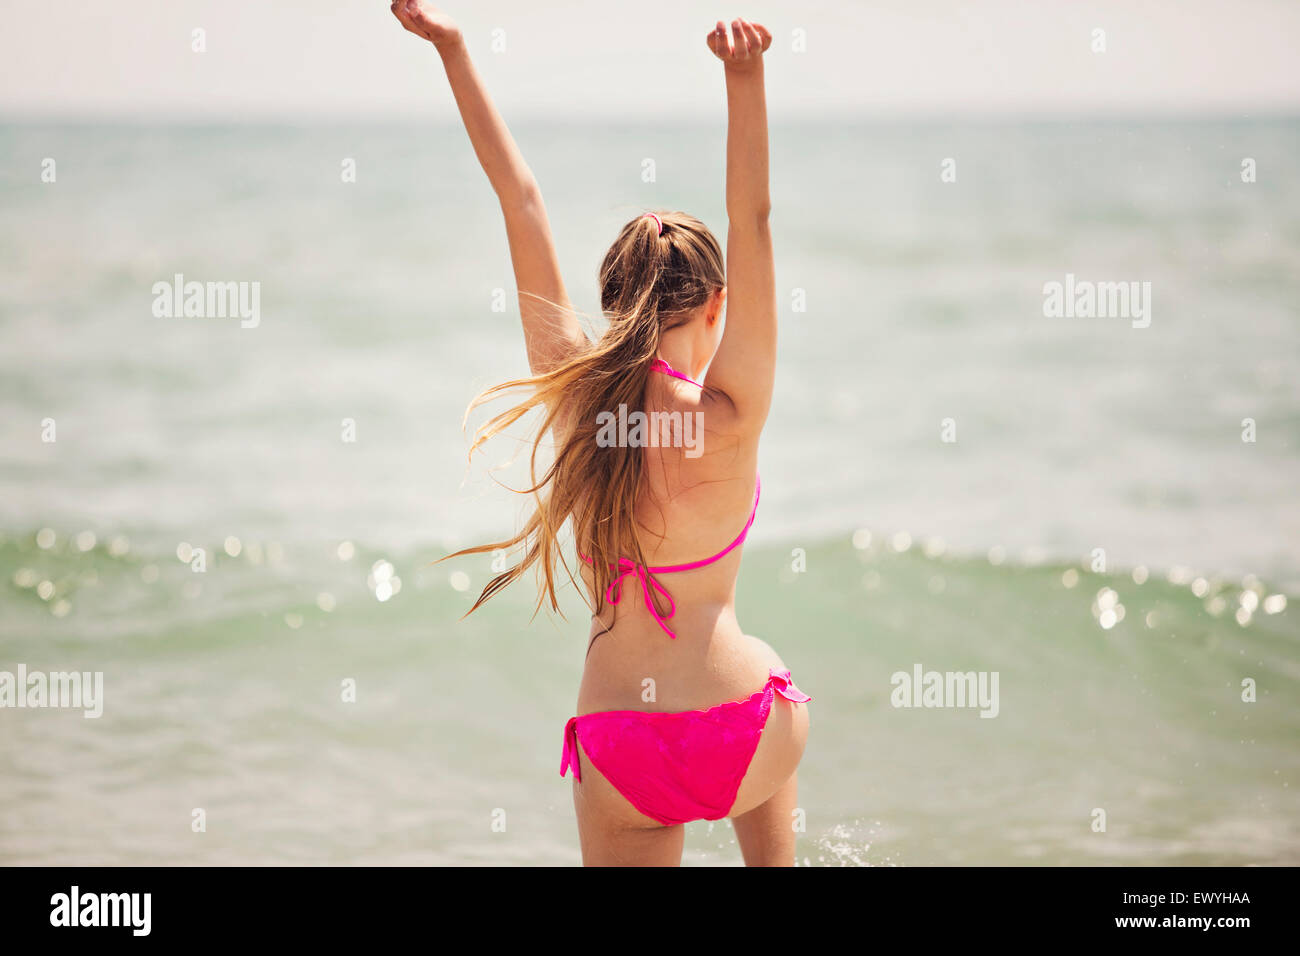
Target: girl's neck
x=679, y=355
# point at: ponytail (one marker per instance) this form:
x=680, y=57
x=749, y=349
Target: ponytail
x=660, y=269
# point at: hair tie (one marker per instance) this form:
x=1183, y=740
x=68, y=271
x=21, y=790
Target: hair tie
x=658, y=222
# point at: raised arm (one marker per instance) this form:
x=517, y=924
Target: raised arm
x=551, y=331
x=744, y=367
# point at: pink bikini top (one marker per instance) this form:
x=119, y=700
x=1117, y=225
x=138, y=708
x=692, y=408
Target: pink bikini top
x=627, y=567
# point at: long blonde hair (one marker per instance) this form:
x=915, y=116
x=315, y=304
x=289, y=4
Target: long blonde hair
x=651, y=280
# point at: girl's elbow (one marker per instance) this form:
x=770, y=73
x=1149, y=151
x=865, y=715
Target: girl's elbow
x=751, y=213
x=523, y=193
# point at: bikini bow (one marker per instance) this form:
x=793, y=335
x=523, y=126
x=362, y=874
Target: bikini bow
x=614, y=592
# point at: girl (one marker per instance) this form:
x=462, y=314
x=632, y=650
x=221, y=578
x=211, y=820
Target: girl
x=681, y=715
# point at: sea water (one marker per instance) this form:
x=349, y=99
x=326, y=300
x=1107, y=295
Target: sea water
x=234, y=523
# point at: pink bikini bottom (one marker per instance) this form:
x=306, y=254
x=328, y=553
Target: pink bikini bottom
x=679, y=767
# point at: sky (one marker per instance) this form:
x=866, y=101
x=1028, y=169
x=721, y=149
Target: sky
x=350, y=59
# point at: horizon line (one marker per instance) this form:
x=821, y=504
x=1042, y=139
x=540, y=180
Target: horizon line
x=895, y=117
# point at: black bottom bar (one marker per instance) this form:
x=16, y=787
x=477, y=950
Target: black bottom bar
x=333, y=905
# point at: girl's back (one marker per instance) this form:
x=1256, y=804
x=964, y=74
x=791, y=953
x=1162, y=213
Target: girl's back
x=695, y=502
